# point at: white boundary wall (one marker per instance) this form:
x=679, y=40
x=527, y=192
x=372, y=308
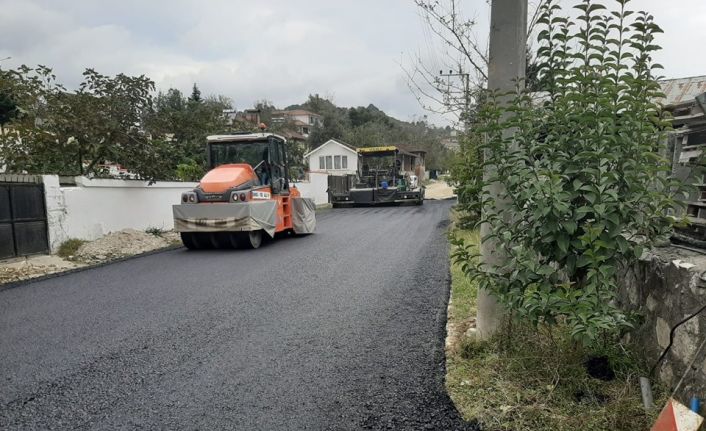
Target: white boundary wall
x=95, y=207
x=315, y=188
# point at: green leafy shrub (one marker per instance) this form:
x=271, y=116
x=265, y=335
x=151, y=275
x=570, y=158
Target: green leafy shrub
x=467, y=178
x=190, y=171
x=584, y=186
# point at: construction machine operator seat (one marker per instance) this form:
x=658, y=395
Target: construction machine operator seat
x=263, y=169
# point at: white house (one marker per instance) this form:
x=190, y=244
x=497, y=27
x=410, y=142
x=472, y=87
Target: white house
x=333, y=157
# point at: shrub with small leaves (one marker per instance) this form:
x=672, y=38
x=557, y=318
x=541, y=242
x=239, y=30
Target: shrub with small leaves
x=585, y=188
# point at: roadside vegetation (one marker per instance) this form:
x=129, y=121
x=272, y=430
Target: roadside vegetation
x=156, y=231
x=529, y=378
x=69, y=248
x=580, y=190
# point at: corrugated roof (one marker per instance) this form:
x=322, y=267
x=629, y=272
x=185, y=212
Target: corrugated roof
x=682, y=89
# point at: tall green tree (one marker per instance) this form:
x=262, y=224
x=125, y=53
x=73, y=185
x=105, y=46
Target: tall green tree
x=185, y=123
x=76, y=132
x=195, y=94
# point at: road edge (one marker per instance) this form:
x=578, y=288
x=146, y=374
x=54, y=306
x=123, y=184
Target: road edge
x=20, y=283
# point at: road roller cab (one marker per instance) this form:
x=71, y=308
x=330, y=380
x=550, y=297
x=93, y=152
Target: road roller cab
x=245, y=196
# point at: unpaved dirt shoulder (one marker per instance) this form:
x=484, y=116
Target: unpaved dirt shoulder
x=439, y=189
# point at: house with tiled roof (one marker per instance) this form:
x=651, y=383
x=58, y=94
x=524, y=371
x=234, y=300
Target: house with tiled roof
x=301, y=120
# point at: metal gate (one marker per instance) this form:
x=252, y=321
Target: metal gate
x=23, y=220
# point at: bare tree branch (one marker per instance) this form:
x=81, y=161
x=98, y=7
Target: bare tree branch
x=455, y=40
x=535, y=16
x=455, y=34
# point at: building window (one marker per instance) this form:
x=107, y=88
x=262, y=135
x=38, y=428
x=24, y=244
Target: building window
x=344, y=162
x=328, y=162
x=322, y=163
x=305, y=130
x=337, y=162
x=311, y=119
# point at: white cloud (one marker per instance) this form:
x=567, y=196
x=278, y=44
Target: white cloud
x=274, y=49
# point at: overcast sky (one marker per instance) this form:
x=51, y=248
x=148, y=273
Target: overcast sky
x=280, y=50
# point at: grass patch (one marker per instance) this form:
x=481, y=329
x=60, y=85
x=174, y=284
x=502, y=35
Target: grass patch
x=535, y=379
x=154, y=231
x=68, y=248
x=463, y=292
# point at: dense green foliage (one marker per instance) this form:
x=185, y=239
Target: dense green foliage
x=107, y=119
x=466, y=176
x=120, y=120
x=8, y=108
x=184, y=123
x=70, y=133
x=584, y=186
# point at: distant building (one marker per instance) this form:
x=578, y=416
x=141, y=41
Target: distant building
x=420, y=169
x=413, y=162
x=303, y=121
x=114, y=170
x=333, y=157
x=451, y=142
x=230, y=115
x=249, y=116
x=685, y=99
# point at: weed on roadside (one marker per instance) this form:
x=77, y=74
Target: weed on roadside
x=68, y=248
x=154, y=231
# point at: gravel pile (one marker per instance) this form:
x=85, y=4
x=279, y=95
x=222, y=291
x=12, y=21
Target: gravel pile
x=8, y=275
x=123, y=243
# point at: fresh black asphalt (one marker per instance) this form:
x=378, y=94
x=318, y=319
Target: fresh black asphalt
x=339, y=330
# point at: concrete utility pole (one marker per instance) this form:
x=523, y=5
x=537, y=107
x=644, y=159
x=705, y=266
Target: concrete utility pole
x=508, y=45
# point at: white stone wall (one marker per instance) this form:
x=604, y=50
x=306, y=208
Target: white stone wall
x=315, y=187
x=95, y=207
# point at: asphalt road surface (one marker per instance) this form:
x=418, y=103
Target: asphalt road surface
x=343, y=329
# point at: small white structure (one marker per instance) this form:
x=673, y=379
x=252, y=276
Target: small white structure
x=333, y=157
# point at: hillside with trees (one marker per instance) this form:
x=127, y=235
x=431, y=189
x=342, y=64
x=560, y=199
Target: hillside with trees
x=368, y=126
